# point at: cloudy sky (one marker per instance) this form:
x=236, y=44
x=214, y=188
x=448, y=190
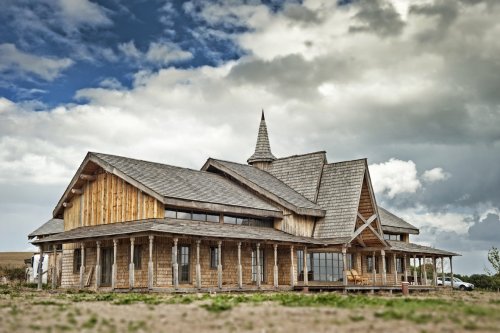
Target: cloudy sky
x=413, y=86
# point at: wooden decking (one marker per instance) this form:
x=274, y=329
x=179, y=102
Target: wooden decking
x=329, y=286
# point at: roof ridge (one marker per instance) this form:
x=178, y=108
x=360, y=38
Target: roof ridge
x=299, y=155
x=347, y=161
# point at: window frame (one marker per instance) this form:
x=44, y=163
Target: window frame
x=214, y=257
x=77, y=260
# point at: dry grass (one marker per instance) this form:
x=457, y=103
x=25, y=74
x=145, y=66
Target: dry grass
x=14, y=259
x=30, y=311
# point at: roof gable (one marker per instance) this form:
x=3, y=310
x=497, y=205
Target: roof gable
x=393, y=223
x=301, y=172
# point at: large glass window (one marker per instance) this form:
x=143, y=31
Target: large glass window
x=188, y=215
x=77, y=260
x=369, y=264
x=323, y=266
x=214, y=257
x=399, y=264
x=137, y=256
x=254, y=222
x=254, y=265
x=183, y=261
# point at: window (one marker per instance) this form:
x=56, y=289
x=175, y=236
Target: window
x=214, y=257
x=388, y=266
x=212, y=218
x=183, y=261
x=195, y=216
x=248, y=221
x=137, y=256
x=392, y=237
x=77, y=260
x=399, y=265
x=184, y=215
x=171, y=214
x=369, y=264
x=254, y=265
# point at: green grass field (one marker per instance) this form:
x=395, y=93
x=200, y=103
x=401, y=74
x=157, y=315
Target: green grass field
x=25, y=310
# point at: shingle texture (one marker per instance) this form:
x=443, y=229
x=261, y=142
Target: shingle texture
x=300, y=172
x=179, y=227
x=418, y=249
x=339, y=194
x=393, y=223
x=270, y=183
x=181, y=183
x=52, y=226
x=262, y=148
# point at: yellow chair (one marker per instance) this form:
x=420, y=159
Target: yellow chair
x=359, y=278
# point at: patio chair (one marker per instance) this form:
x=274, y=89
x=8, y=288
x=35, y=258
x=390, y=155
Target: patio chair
x=359, y=278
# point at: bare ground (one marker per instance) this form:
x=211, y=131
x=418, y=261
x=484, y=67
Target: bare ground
x=30, y=311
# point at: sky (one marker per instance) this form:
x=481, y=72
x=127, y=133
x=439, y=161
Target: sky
x=412, y=86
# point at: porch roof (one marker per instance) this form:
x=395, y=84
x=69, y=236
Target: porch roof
x=413, y=248
x=52, y=226
x=181, y=228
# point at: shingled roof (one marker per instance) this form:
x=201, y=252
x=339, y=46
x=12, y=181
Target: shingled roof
x=262, y=148
x=418, y=249
x=339, y=194
x=166, y=181
x=51, y=227
x=267, y=185
x=300, y=172
x=179, y=227
x=393, y=223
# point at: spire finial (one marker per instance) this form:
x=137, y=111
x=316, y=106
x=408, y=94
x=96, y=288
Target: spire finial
x=262, y=155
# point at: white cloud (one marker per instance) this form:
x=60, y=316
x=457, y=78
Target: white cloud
x=435, y=175
x=77, y=13
x=158, y=53
x=395, y=177
x=11, y=58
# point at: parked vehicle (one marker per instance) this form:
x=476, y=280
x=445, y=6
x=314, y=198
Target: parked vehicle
x=32, y=269
x=457, y=283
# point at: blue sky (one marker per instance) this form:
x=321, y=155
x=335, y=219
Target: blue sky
x=411, y=85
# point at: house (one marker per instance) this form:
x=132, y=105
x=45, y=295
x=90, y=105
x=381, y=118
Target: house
x=136, y=225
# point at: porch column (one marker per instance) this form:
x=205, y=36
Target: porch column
x=98, y=265
x=40, y=268
x=422, y=282
x=384, y=274
x=425, y=271
x=451, y=272
x=292, y=268
x=395, y=269
x=114, y=270
x=219, y=264
x=54, y=268
x=240, y=271
x=82, y=266
x=175, y=265
x=131, y=267
x=258, y=266
x=415, y=275
x=442, y=271
x=434, y=275
x=306, y=271
x=150, y=263
x=344, y=260
x=374, y=268
x=198, y=266
x=275, y=271
x=405, y=268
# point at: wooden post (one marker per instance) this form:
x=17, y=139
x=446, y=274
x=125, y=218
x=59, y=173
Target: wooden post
x=292, y=268
x=442, y=271
x=82, y=266
x=240, y=271
x=425, y=271
x=405, y=267
x=306, y=271
x=395, y=269
x=384, y=274
x=344, y=260
x=114, y=271
x=275, y=266
x=374, y=269
x=40, y=269
x=258, y=266
x=98, y=265
x=434, y=275
x=54, y=268
x=451, y=272
x=131, y=268
x=415, y=275
x=175, y=265
x=150, y=263
x=198, y=267
x=219, y=264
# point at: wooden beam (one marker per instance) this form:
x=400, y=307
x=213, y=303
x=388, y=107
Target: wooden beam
x=87, y=177
x=114, y=271
x=131, y=267
x=82, y=266
x=275, y=271
x=240, y=271
x=40, y=269
x=198, y=266
x=98, y=266
x=76, y=191
x=257, y=254
x=219, y=264
x=365, y=225
x=292, y=268
x=67, y=205
x=150, y=263
x=175, y=268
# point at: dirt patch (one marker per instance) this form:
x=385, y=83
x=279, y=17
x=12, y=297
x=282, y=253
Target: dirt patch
x=30, y=311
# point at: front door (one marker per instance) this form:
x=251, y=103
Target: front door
x=106, y=266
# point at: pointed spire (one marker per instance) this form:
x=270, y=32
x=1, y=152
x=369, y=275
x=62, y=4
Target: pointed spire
x=262, y=148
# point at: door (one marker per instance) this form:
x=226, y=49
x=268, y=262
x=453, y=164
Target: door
x=183, y=260
x=106, y=266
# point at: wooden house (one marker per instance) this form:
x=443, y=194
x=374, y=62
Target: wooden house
x=137, y=225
